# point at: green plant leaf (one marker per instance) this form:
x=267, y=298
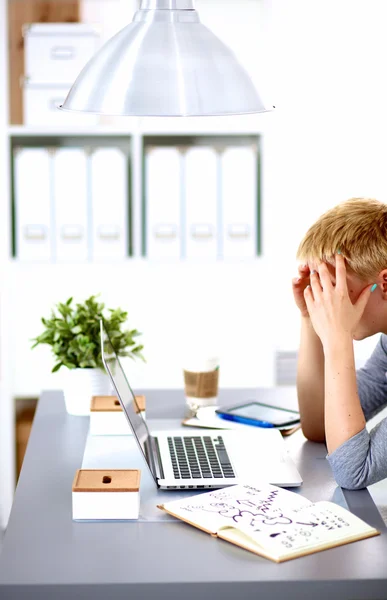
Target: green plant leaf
x=73, y=332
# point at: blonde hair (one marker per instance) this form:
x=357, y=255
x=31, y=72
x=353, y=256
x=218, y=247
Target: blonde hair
x=358, y=229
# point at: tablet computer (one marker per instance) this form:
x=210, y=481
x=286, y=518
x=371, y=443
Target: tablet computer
x=259, y=414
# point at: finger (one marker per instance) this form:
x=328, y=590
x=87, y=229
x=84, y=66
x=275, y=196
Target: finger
x=315, y=285
x=300, y=282
x=325, y=277
x=341, y=274
x=303, y=270
x=296, y=284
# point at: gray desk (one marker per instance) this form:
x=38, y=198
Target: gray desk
x=47, y=556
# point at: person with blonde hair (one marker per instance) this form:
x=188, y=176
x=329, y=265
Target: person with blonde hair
x=341, y=292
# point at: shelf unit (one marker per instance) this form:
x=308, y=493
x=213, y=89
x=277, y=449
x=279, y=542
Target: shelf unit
x=138, y=139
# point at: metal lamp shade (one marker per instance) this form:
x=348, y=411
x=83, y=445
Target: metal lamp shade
x=164, y=63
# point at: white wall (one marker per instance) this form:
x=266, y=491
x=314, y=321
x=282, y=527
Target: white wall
x=322, y=62
x=327, y=140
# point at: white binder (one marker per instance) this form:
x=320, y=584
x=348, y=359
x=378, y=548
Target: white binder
x=71, y=204
x=202, y=202
x=163, y=202
x=109, y=195
x=32, y=204
x=239, y=206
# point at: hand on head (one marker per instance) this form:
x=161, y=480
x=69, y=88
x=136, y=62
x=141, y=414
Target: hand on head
x=331, y=310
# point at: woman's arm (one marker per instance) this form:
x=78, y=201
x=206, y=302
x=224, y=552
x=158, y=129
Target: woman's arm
x=358, y=458
x=310, y=366
x=334, y=319
x=310, y=382
x=361, y=460
x=344, y=416
x=372, y=380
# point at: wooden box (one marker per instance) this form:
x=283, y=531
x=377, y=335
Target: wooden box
x=108, y=418
x=106, y=494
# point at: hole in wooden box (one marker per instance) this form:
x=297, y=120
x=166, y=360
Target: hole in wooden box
x=116, y=403
x=106, y=479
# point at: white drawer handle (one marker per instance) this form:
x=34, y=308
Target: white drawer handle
x=239, y=231
x=35, y=232
x=108, y=232
x=165, y=232
x=72, y=232
x=202, y=231
x=63, y=52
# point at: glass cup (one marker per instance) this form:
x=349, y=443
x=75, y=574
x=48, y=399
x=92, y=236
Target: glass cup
x=201, y=382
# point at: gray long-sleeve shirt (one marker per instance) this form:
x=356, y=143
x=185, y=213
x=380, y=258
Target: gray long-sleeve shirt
x=362, y=460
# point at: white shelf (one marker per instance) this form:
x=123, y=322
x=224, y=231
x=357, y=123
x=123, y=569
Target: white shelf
x=128, y=126
x=100, y=130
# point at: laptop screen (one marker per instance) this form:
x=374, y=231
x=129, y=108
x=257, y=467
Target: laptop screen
x=124, y=391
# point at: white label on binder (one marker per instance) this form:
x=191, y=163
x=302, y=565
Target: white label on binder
x=202, y=231
x=239, y=193
x=163, y=201
x=35, y=232
x=201, y=187
x=236, y=231
x=72, y=232
x=70, y=194
x=165, y=231
x=109, y=195
x=106, y=232
x=32, y=203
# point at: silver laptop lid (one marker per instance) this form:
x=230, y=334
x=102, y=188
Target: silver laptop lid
x=125, y=396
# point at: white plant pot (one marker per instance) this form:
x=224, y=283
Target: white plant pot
x=80, y=385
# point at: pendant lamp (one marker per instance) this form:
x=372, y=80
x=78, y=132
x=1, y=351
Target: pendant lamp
x=164, y=63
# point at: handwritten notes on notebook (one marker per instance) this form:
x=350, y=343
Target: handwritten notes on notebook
x=270, y=521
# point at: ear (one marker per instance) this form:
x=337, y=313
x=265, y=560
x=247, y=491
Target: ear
x=383, y=283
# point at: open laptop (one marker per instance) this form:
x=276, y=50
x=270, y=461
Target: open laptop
x=180, y=459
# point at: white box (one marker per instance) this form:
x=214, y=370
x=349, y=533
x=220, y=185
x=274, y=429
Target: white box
x=202, y=203
x=109, y=195
x=71, y=204
x=108, y=418
x=32, y=204
x=104, y=495
x=40, y=106
x=57, y=52
x=163, y=202
x=239, y=202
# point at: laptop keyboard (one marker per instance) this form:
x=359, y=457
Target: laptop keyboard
x=199, y=457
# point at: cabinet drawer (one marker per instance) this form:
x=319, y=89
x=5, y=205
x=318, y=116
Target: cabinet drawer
x=57, y=52
x=40, y=106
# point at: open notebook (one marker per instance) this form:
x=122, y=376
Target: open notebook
x=270, y=521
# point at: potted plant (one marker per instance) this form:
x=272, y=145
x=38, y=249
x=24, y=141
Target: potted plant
x=73, y=332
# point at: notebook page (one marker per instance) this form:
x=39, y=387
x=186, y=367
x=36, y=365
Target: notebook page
x=319, y=525
x=247, y=507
